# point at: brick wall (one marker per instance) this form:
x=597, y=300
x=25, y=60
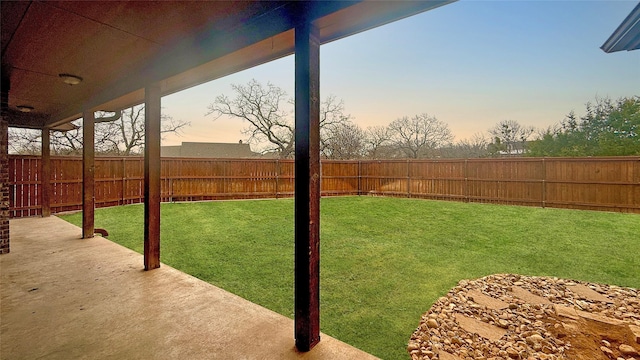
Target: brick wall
x=4, y=187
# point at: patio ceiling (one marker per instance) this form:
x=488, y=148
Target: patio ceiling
x=119, y=47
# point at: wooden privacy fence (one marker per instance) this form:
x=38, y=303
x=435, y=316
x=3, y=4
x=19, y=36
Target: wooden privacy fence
x=609, y=184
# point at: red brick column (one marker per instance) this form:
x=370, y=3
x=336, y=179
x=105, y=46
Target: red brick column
x=4, y=187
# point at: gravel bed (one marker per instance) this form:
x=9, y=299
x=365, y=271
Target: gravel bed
x=507, y=316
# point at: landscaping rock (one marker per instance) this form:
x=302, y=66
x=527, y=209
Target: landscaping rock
x=607, y=351
x=636, y=332
x=627, y=350
x=585, y=292
x=475, y=326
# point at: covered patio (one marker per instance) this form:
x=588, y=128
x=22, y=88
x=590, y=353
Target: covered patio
x=67, y=298
x=63, y=61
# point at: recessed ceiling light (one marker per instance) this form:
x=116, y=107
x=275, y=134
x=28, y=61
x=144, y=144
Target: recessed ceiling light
x=25, y=108
x=70, y=79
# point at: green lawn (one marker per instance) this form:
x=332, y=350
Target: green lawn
x=384, y=261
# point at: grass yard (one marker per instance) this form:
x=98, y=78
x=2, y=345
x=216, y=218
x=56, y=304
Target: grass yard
x=384, y=261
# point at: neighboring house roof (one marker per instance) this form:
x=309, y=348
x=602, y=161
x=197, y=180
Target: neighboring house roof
x=170, y=151
x=208, y=150
x=387, y=152
x=627, y=35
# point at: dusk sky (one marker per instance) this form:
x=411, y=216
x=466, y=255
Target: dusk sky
x=471, y=64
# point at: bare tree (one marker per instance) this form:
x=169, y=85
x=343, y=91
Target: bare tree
x=335, y=125
x=377, y=142
x=420, y=135
x=263, y=108
x=510, y=137
x=345, y=141
x=29, y=141
x=473, y=147
x=24, y=141
x=268, y=112
x=123, y=136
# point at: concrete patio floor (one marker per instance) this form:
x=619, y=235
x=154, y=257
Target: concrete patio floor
x=67, y=298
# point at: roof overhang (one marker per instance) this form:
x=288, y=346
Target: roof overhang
x=118, y=48
x=627, y=35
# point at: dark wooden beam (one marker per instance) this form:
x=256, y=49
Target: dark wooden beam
x=45, y=175
x=152, y=178
x=26, y=120
x=88, y=174
x=307, y=187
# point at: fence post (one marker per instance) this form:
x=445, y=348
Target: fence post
x=123, y=182
x=466, y=180
x=225, y=182
x=170, y=173
x=277, y=176
x=359, y=177
x=45, y=175
x=180, y=172
x=544, y=183
x=408, y=179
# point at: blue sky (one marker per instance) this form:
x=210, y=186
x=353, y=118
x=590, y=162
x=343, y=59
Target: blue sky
x=471, y=64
